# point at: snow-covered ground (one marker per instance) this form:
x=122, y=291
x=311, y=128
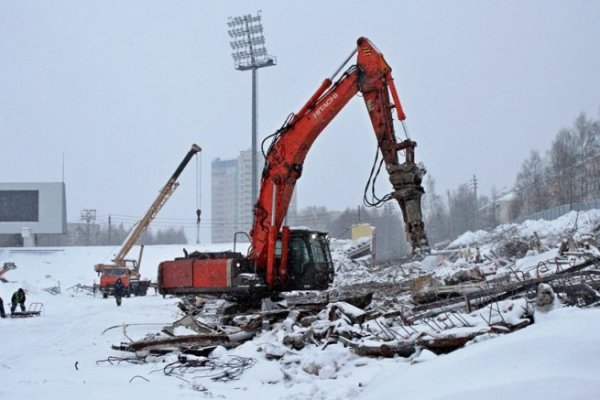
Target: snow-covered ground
x=64, y=352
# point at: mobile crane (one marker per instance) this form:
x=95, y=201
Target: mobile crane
x=283, y=259
x=128, y=270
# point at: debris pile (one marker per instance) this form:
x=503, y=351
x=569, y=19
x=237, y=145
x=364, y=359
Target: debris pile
x=437, y=304
x=7, y=266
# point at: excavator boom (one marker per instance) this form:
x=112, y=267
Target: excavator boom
x=371, y=76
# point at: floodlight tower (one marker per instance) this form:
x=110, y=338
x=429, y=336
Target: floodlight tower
x=88, y=216
x=249, y=53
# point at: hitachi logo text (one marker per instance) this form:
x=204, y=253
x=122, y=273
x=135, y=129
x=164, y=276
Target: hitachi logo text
x=323, y=106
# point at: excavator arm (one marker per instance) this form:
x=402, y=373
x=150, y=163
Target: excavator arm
x=371, y=76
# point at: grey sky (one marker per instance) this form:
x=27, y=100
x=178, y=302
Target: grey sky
x=123, y=88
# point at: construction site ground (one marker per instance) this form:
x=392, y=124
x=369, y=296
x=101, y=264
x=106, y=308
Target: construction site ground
x=430, y=329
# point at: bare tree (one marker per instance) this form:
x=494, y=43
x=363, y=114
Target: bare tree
x=435, y=213
x=463, y=206
x=531, y=187
x=574, y=162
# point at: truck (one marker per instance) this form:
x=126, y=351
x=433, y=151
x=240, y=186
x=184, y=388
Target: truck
x=128, y=270
x=284, y=259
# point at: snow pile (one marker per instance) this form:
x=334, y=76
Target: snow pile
x=552, y=359
x=578, y=225
x=67, y=351
x=467, y=239
x=507, y=248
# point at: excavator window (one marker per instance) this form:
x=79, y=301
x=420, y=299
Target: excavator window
x=319, y=247
x=317, y=250
x=299, y=255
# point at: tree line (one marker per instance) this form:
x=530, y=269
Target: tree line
x=116, y=235
x=566, y=174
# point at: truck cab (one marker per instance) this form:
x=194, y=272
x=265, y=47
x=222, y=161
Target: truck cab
x=109, y=276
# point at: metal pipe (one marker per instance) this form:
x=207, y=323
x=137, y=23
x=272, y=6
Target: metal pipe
x=273, y=205
x=271, y=239
x=254, y=136
x=337, y=71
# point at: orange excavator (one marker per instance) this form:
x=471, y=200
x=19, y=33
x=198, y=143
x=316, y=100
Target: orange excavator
x=284, y=259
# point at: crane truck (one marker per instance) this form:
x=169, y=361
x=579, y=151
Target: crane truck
x=128, y=270
x=283, y=259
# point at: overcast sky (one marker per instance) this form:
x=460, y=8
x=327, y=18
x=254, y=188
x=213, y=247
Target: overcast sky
x=123, y=88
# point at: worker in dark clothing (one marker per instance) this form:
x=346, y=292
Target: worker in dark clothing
x=2, y=313
x=18, y=297
x=118, y=290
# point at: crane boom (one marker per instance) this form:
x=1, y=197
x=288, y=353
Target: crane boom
x=128, y=271
x=158, y=203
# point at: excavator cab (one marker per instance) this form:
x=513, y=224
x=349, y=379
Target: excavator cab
x=309, y=264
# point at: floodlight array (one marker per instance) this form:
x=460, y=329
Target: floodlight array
x=244, y=19
x=248, y=42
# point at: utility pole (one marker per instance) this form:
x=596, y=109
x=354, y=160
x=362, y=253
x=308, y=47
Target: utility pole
x=476, y=205
x=198, y=198
x=451, y=216
x=494, y=206
x=250, y=53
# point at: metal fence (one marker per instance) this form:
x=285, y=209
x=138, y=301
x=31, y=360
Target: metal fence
x=555, y=212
